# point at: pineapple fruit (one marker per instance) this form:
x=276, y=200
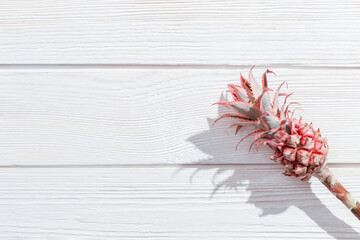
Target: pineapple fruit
x=298, y=147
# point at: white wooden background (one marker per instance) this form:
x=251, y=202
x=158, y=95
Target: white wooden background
x=106, y=129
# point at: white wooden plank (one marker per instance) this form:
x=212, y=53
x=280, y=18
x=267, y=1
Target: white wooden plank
x=155, y=116
x=164, y=203
x=321, y=33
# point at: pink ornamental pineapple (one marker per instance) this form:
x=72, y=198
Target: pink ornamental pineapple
x=298, y=148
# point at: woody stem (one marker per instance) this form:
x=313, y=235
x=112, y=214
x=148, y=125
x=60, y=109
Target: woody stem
x=330, y=181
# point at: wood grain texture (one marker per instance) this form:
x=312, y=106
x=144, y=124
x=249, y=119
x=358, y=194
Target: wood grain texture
x=202, y=202
x=105, y=118
x=156, y=116
x=307, y=33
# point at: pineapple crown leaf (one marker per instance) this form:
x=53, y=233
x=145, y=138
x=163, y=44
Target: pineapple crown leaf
x=232, y=125
x=252, y=101
x=252, y=133
x=276, y=96
x=283, y=112
x=252, y=107
x=264, y=78
x=228, y=115
x=238, y=93
x=265, y=104
x=247, y=87
x=287, y=111
x=245, y=109
x=256, y=89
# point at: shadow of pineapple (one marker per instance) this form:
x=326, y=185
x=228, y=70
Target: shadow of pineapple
x=263, y=194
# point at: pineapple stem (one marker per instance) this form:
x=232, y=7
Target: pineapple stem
x=330, y=181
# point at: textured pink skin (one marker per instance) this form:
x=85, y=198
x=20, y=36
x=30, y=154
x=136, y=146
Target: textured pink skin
x=305, y=161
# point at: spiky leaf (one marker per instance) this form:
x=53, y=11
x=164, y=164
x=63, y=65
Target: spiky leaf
x=238, y=93
x=270, y=121
x=276, y=98
x=256, y=89
x=245, y=109
x=265, y=104
x=247, y=87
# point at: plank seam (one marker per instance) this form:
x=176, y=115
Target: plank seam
x=164, y=66
x=337, y=165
